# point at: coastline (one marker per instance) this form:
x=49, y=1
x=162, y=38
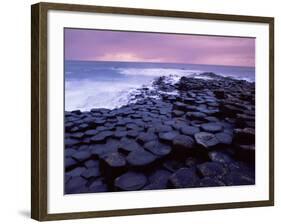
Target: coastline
x=202, y=136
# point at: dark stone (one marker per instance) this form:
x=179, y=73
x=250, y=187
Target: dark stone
x=184, y=177
x=173, y=165
x=120, y=134
x=212, y=127
x=183, y=143
x=219, y=157
x=146, y=137
x=82, y=155
x=129, y=145
x=179, y=106
x=158, y=148
x=210, y=182
x=246, y=152
x=77, y=135
x=159, y=177
x=168, y=136
x=238, y=178
x=141, y=158
x=98, y=185
x=76, y=171
x=91, y=132
x=114, y=160
x=75, y=185
x=163, y=128
x=191, y=162
x=212, y=169
x=219, y=94
x=101, y=136
x=189, y=130
x=69, y=152
x=68, y=142
x=205, y=139
x=91, y=172
x=92, y=163
x=130, y=181
x=178, y=113
x=196, y=115
x=132, y=133
x=244, y=136
x=69, y=163
x=224, y=138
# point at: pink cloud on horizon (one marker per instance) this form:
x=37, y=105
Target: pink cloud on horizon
x=84, y=44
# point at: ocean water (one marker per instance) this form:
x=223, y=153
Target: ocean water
x=93, y=84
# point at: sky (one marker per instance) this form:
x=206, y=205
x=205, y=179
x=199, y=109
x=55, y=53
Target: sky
x=102, y=45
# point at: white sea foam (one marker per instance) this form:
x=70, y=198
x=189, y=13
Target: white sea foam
x=157, y=72
x=87, y=94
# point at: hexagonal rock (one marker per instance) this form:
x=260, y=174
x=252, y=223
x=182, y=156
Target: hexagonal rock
x=101, y=136
x=184, y=177
x=69, y=163
x=68, y=142
x=130, y=181
x=183, y=143
x=91, y=172
x=146, y=137
x=129, y=145
x=75, y=185
x=92, y=163
x=205, y=139
x=244, y=136
x=140, y=158
x=160, y=177
x=212, y=127
x=168, y=136
x=196, y=115
x=219, y=157
x=91, y=132
x=210, y=182
x=224, y=138
x=76, y=172
x=82, y=155
x=158, y=148
x=212, y=169
x=163, y=128
x=114, y=160
x=178, y=113
x=98, y=185
x=189, y=130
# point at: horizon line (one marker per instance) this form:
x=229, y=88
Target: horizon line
x=182, y=63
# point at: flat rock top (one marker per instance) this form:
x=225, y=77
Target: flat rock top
x=130, y=181
x=140, y=158
x=205, y=139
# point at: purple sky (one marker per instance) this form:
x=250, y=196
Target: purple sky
x=151, y=47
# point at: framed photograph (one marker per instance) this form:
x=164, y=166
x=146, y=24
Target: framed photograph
x=139, y=111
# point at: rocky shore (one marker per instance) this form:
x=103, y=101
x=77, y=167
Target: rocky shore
x=192, y=133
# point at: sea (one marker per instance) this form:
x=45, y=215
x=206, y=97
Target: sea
x=103, y=84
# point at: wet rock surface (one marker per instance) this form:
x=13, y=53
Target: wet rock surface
x=203, y=136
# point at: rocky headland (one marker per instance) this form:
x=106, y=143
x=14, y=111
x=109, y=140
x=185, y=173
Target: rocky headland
x=192, y=133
